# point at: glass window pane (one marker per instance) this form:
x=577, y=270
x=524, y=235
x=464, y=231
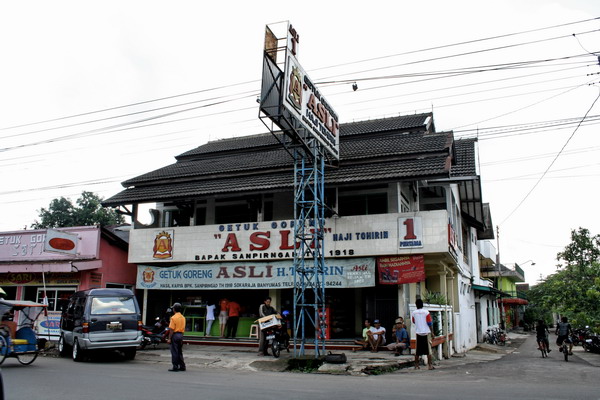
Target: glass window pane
x=113, y=305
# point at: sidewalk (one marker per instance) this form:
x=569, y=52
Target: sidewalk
x=244, y=357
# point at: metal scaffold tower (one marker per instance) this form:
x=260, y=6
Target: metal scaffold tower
x=309, y=257
x=285, y=90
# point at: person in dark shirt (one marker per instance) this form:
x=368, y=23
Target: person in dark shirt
x=542, y=333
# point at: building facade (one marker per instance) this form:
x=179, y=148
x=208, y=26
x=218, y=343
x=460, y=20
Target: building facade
x=56, y=263
x=405, y=221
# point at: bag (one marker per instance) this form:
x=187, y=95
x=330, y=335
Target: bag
x=335, y=358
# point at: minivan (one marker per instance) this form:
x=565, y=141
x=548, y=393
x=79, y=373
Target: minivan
x=100, y=319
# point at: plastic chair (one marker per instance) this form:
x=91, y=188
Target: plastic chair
x=254, y=331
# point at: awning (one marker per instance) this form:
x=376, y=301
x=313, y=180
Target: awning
x=515, y=300
x=483, y=288
x=71, y=266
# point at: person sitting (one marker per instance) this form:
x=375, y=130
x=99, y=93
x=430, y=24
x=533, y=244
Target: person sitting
x=401, y=340
x=364, y=343
x=376, y=336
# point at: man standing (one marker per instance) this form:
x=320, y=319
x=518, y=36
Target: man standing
x=421, y=320
x=264, y=310
x=176, y=329
x=233, y=313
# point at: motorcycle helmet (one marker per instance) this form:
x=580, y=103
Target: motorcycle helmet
x=286, y=313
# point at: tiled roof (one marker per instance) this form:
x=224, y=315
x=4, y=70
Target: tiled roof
x=404, y=123
x=464, y=158
x=352, y=149
x=420, y=168
x=378, y=150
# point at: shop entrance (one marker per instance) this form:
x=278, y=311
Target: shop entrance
x=382, y=304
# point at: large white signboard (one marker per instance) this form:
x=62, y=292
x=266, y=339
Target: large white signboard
x=357, y=236
x=343, y=273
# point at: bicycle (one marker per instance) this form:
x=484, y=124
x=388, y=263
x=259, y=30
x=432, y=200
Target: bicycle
x=542, y=347
x=565, y=349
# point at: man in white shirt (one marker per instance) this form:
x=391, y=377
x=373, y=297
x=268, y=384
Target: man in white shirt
x=422, y=323
x=376, y=336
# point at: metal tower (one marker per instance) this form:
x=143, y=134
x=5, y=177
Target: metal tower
x=309, y=256
x=310, y=158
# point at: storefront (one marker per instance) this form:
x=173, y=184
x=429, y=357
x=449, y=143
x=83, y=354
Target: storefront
x=50, y=265
x=369, y=266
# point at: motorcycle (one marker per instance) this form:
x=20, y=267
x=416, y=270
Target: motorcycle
x=579, y=335
x=277, y=339
x=153, y=336
x=592, y=343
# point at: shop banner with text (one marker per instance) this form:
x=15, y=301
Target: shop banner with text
x=401, y=269
x=342, y=273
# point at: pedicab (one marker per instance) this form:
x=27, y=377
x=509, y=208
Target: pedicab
x=18, y=339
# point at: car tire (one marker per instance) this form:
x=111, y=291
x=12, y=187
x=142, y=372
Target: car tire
x=77, y=352
x=63, y=348
x=129, y=353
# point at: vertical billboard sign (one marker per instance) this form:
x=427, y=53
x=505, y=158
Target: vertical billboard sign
x=304, y=101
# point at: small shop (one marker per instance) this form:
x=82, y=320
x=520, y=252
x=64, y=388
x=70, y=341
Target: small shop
x=196, y=286
x=48, y=266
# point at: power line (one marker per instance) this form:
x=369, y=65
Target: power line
x=553, y=161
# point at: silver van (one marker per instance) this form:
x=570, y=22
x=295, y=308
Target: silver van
x=100, y=319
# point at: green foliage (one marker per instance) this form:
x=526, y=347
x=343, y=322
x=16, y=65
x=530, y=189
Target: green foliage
x=89, y=211
x=434, y=298
x=574, y=290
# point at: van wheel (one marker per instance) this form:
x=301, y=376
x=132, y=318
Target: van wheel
x=129, y=353
x=63, y=349
x=77, y=352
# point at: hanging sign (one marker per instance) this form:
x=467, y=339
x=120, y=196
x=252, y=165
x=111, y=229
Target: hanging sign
x=398, y=270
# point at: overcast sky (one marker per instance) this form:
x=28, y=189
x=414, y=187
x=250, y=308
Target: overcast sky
x=94, y=93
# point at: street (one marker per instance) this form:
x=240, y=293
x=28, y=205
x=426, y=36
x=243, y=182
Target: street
x=522, y=374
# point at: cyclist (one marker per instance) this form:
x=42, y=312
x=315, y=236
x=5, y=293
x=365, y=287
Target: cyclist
x=564, y=331
x=542, y=335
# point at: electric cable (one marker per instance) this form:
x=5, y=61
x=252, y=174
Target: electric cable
x=552, y=163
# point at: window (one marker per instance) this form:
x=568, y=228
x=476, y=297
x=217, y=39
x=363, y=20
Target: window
x=57, y=297
x=363, y=204
x=200, y=216
x=432, y=198
x=234, y=213
x=175, y=217
x=112, y=305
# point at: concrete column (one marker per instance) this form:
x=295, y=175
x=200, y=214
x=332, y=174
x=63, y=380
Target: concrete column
x=444, y=291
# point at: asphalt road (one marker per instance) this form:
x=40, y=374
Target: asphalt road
x=522, y=375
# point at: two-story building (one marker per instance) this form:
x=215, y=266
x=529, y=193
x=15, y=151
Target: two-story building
x=405, y=217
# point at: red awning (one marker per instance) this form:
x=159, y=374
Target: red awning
x=514, y=300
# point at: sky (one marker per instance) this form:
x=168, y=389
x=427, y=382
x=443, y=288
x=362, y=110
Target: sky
x=94, y=93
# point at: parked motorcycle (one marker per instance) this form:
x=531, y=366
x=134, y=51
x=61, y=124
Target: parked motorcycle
x=154, y=335
x=592, y=343
x=579, y=335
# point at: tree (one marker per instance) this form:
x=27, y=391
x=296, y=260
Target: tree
x=574, y=290
x=89, y=211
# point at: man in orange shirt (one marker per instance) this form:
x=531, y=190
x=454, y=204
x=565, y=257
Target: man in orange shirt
x=176, y=329
x=233, y=312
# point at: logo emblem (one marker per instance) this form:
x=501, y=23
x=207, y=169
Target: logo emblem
x=295, y=89
x=147, y=280
x=163, y=245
